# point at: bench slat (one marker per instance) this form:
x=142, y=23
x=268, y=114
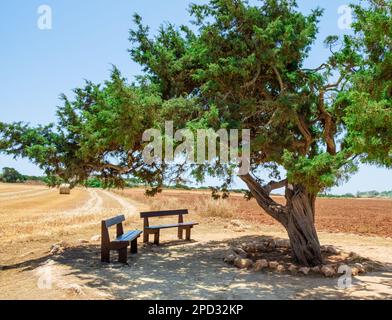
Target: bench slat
x=115, y=220
x=150, y=214
x=165, y=226
x=129, y=236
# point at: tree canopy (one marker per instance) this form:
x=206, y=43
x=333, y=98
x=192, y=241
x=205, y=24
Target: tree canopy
x=10, y=175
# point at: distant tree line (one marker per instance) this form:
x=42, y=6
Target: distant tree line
x=11, y=175
x=360, y=194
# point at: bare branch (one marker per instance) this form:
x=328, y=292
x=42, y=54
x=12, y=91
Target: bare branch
x=253, y=81
x=329, y=126
x=303, y=128
x=273, y=185
x=333, y=86
x=274, y=209
x=278, y=76
x=321, y=67
x=119, y=169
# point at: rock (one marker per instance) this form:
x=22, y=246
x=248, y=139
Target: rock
x=74, y=289
x=241, y=263
x=354, y=271
x=83, y=241
x=56, y=249
x=63, y=244
x=354, y=256
x=238, y=229
x=237, y=223
x=241, y=252
x=361, y=268
x=328, y=271
x=282, y=243
x=293, y=269
x=272, y=244
x=250, y=248
x=230, y=258
x=260, y=264
x=260, y=247
x=273, y=264
x=304, y=270
x=373, y=266
x=332, y=250
x=280, y=268
x=96, y=238
x=316, y=269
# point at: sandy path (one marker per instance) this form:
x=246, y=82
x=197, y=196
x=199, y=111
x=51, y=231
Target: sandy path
x=180, y=270
x=175, y=270
x=93, y=204
x=189, y=271
x=127, y=206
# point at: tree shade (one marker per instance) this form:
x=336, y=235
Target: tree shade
x=239, y=66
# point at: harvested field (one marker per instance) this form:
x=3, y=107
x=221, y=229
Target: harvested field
x=34, y=218
x=358, y=216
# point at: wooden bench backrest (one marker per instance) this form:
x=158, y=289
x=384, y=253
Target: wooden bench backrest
x=112, y=221
x=106, y=224
x=151, y=214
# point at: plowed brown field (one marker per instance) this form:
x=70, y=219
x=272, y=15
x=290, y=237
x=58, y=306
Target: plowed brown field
x=359, y=216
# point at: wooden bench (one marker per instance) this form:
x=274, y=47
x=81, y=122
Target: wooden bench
x=155, y=230
x=122, y=241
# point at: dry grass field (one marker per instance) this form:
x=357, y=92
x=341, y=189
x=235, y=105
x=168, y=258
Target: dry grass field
x=358, y=216
x=33, y=218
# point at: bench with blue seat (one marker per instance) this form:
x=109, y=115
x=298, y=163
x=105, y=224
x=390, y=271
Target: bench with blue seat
x=121, y=242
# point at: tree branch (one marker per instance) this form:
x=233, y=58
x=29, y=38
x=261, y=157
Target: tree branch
x=278, y=76
x=119, y=169
x=321, y=67
x=253, y=81
x=333, y=85
x=329, y=126
x=271, y=207
x=273, y=185
x=303, y=128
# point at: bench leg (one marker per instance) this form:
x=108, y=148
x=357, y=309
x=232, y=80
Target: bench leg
x=122, y=255
x=105, y=255
x=156, y=238
x=134, y=246
x=188, y=234
x=145, y=236
x=180, y=233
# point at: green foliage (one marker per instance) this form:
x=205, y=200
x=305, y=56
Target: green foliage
x=239, y=66
x=10, y=175
x=368, y=112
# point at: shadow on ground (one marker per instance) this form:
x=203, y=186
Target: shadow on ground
x=179, y=270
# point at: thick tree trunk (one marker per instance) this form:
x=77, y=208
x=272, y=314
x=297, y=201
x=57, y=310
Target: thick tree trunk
x=297, y=217
x=300, y=227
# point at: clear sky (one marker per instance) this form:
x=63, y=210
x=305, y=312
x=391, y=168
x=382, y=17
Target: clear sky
x=90, y=35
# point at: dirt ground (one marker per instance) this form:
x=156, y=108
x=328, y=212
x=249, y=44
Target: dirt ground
x=33, y=218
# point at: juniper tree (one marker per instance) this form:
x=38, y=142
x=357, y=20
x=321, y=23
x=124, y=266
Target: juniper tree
x=237, y=66
x=246, y=64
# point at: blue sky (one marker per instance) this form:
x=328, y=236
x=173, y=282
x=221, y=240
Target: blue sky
x=90, y=35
